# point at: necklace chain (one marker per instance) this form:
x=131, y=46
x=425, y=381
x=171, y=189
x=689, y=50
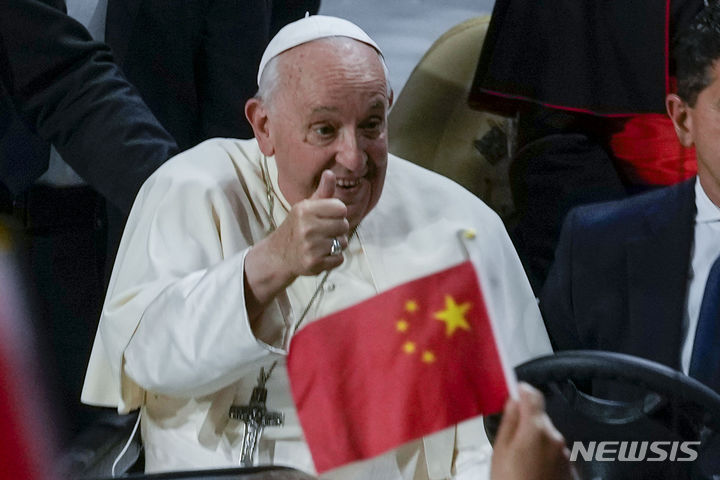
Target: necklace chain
x=268, y=192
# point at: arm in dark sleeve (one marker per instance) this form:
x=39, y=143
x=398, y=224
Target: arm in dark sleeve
x=68, y=87
x=235, y=36
x=556, y=298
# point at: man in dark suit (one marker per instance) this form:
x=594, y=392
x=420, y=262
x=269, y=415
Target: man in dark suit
x=59, y=86
x=70, y=92
x=636, y=276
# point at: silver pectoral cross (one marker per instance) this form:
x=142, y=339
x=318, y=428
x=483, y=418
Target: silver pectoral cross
x=255, y=417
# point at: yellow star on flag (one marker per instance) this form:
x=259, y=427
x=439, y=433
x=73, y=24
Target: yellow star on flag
x=402, y=326
x=453, y=316
x=411, y=306
x=428, y=356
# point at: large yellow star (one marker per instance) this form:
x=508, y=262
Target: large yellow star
x=453, y=316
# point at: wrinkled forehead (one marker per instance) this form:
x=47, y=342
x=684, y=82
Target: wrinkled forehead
x=331, y=53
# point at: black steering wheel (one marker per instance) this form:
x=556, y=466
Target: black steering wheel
x=627, y=418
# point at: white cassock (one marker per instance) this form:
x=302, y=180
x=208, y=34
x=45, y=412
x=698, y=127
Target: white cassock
x=174, y=336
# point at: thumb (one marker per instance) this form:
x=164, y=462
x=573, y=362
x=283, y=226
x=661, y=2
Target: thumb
x=326, y=188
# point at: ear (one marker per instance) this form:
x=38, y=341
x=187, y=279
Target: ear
x=257, y=115
x=679, y=112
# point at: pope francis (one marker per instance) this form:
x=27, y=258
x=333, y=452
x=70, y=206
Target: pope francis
x=233, y=245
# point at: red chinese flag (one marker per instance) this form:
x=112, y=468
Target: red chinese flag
x=406, y=363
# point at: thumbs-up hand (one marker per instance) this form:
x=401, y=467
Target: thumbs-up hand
x=301, y=245
x=304, y=240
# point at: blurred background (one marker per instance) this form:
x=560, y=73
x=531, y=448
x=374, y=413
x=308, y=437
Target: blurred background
x=405, y=29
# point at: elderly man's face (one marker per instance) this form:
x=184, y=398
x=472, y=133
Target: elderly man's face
x=329, y=112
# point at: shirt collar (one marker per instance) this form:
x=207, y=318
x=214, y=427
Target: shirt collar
x=707, y=211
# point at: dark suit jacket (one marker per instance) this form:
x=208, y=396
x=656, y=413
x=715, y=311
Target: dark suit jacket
x=620, y=276
x=194, y=61
x=69, y=90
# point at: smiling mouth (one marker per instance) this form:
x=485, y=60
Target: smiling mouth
x=348, y=183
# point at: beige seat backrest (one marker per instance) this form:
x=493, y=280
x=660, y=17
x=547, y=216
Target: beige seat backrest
x=432, y=125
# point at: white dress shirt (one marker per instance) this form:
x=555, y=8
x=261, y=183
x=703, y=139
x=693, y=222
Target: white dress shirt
x=706, y=248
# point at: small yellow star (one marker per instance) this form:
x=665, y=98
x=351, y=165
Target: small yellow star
x=411, y=306
x=453, y=315
x=409, y=347
x=402, y=326
x=428, y=356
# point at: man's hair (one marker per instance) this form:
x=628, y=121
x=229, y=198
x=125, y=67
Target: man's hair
x=270, y=79
x=696, y=49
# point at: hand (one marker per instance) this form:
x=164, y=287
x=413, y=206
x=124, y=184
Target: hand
x=304, y=239
x=527, y=445
x=299, y=246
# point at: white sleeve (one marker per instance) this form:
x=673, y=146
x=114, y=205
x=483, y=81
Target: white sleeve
x=195, y=337
x=175, y=320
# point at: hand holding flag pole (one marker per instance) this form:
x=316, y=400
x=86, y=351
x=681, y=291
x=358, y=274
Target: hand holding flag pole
x=527, y=445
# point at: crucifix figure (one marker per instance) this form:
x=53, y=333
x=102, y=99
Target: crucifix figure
x=255, y=417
